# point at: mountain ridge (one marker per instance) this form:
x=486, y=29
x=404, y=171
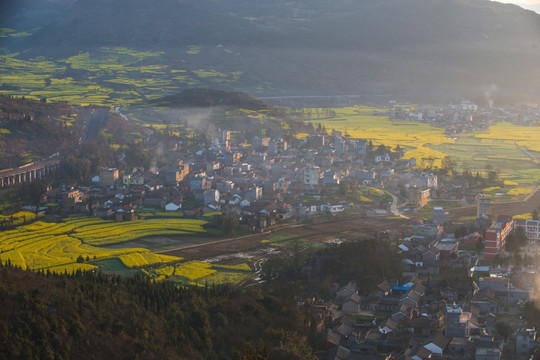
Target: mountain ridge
x=376, y=47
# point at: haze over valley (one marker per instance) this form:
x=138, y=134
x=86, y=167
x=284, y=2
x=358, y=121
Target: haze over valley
x=246, y=179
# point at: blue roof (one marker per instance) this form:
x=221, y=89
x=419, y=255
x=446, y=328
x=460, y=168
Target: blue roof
x=401, y=288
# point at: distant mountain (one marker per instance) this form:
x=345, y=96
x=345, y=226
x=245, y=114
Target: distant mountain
x=414, y=47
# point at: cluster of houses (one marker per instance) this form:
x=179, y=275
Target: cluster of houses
x=466, y=116
x=419, y=318
x=261, y=183
x=446, y=306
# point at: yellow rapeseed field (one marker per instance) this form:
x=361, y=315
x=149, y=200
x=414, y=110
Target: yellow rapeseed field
x=57, y=246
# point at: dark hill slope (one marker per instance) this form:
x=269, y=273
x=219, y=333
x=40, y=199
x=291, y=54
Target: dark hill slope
x=322, y=47
x=32, y=129
x=93, y=316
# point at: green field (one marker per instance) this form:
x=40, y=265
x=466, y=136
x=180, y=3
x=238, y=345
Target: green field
x=512, y=150
x=417, y=138
x=108, y=76
x=500, y=148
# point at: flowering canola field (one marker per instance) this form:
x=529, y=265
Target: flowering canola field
x=57, y=246
x=512, y=150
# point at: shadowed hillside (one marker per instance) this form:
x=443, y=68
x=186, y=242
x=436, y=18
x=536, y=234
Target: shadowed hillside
x=416, y=47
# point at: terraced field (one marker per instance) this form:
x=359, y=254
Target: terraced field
x=115, y=76
x=58, y=246
x=75, y=245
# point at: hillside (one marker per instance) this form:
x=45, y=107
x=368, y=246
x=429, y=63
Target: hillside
x=436, y=48
x=93, y=316
x=32, y=129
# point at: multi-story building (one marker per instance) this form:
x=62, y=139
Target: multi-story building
x=525, y=340
x=483, y=206
x=108, y=176
x=439, y=217
x=495, y=237
x=312, y=175
x=456, y=322
x=531, y=227
x=276, y=146
x=418, y=197
x=340, y=145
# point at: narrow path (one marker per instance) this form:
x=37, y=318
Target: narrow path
x=526, y=152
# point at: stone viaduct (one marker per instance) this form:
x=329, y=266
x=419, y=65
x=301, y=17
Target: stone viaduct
x=29, y=172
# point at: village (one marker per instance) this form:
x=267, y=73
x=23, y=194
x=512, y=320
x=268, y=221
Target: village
x=458, y=298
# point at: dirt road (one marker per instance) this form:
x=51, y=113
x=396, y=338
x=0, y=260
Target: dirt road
x=346, y=229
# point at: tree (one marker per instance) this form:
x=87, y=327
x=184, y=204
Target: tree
x=503, y=329
x=230, y=222
x=516, y=240
x=461, y=232
x=381, y=150
x=447, y=165
x=480, y=245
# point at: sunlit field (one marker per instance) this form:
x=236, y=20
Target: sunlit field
x=513, y=151
x=417, y=138
x=201, y=273
x=58, y=246
x=507, y=148
x=75, y=245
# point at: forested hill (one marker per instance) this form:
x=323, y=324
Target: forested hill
x=93, y=316
x=313, y=47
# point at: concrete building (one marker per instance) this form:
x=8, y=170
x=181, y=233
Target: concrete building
x=456, y=322
x=259, y=143
x=447, y=247
x=525, y=340
x=276, y=146
x=199, y=182
x=484, y=207
x=418, y=197
x=439, y=217
x=108, y=176
x=312, y=175
x=330, y=177
x=531, y=227
x=255, y=192
x=495, y=236
x=340, y=145
x=211, y=196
